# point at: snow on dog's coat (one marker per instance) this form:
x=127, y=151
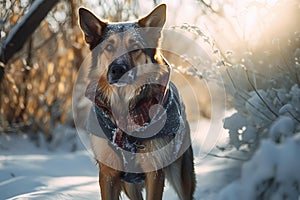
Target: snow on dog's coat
x=138, y=110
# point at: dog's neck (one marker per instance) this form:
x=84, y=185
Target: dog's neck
x=123, y=105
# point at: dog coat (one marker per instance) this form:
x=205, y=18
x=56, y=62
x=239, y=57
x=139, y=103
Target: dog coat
x=138, y=116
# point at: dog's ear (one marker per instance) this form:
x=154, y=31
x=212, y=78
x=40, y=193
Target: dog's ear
x=156, y=18
x=91, y=26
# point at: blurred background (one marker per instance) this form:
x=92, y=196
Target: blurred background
x=241, y=57
x=36, y=81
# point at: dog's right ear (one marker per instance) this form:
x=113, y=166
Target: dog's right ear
x=156, y=18
x=91, y=26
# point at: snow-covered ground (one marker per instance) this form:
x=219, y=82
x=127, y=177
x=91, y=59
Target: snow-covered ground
x=31, y=172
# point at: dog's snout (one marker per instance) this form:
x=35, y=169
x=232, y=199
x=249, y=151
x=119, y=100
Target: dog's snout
x=115, y=73
x=118, y=70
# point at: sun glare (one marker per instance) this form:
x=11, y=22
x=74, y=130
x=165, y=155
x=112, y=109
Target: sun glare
x=251, y=18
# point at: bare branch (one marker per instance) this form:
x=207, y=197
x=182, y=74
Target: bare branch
x=23, y=30
x=261, y=98
x=228, y=157
x=210, y=7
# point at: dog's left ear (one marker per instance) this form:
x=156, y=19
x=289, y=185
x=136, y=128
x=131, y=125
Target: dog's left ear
x=91, y=26
x=156, y=18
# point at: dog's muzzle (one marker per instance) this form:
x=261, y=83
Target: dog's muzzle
x=120, y=74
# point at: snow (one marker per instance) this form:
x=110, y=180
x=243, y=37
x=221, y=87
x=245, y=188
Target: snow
x=236, y=123
x=285, y=109
x=57, y=170
x=272, y=173
x=283, y=127
x=31, y=172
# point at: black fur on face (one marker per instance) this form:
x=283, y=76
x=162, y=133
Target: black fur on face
x=122, y=44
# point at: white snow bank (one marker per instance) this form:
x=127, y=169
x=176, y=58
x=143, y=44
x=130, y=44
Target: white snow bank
x=272, y=173
x=51, y=176
x=282, y=128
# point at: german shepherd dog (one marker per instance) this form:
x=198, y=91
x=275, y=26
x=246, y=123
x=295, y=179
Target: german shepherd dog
x=142, y=136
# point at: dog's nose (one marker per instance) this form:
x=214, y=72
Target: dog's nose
x=115, y=72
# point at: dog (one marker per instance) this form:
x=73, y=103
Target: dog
x=141, y=136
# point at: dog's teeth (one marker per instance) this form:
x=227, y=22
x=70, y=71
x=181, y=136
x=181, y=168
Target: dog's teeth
x=120, y=84
x=130, y=75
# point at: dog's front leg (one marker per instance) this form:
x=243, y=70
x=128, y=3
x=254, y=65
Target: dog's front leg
x=110, y=184
x=154, y=184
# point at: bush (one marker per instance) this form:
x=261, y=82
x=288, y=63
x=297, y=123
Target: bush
x=265, y=93
x=36, y=92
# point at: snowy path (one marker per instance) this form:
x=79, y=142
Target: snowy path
x=61, y=176
x=28, y=172
x=74, y=176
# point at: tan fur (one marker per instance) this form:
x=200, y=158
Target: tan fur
x=153, y=161
x=179, y=174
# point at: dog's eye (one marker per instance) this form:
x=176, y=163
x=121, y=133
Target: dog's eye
x=135, y=47
x=109, y=48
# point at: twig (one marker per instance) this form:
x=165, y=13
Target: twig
x=246, y=100
x=229, y=75
x=209, y=6
x=23, y=30
x=287, y=110
x=227, y=157
x=262, y=99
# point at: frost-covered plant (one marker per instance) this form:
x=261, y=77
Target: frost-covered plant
x=263, y=87
x=262, y=113
x=265, y=92
x=272, y=173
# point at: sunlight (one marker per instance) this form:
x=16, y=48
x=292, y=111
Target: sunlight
x=257, y=14
x=252, y=17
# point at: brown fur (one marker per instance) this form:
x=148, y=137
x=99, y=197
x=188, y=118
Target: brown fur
x=181, y=172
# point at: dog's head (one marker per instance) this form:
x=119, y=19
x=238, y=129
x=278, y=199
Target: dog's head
x=123, y=46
